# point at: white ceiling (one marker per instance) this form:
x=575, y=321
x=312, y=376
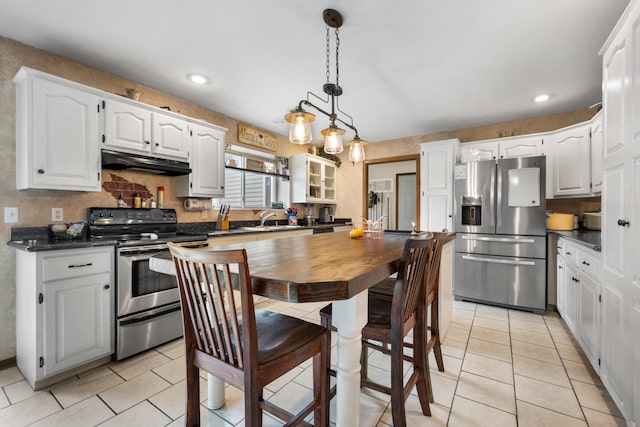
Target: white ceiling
x=407, y=68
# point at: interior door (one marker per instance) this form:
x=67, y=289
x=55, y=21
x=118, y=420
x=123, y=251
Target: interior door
x=406, y=201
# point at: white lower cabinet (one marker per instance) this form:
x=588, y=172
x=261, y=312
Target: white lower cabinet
x=580, y=296
x=64, y=311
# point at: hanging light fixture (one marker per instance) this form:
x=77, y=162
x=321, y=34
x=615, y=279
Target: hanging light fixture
x=300, y=131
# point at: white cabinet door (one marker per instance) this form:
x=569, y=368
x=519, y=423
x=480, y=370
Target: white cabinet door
x=127, y=127
x=170, y=137
x=77, y=321
x=589, y=318
x=526, y=146
x=329, y=182
x=617, y=195
x=436, y=182
x=571, y=161
x=561, y=286
x=474, y=151
x=57, y=136
x=597, y=141
x=571, y=296
x=207, y=164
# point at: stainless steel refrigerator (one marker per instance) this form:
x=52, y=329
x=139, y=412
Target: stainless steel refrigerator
x=500, y=221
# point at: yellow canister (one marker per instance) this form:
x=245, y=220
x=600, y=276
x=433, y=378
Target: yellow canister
x=560, y=221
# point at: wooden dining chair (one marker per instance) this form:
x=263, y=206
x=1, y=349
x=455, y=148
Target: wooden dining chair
x=431, y=300
x=390, y=319
x=247, y=348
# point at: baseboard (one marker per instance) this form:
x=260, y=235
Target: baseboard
x=7, y=363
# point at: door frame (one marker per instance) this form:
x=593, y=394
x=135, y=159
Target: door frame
x=365, y=181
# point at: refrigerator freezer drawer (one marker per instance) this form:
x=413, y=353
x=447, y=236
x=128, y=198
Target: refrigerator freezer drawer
x=518, y=282
x=502, y=245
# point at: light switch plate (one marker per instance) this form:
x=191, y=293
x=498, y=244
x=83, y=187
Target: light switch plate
x=57, y=214
x=10, y=215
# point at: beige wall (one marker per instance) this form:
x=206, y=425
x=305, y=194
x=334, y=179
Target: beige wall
x=35, y=206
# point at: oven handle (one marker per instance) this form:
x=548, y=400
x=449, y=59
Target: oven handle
x=152, y=314
x=142, y=256
x=496, y=260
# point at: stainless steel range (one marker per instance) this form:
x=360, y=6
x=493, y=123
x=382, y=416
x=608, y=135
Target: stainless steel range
x=147, y=302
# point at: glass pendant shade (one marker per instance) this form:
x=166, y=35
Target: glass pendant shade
x=356, y=151
x=333, y=140
x=300, y=130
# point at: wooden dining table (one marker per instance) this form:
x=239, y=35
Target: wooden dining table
x=328, y=267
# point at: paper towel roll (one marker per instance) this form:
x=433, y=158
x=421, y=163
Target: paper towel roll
x=197, y=204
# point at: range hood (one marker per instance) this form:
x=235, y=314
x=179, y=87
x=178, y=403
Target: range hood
x=135, y=162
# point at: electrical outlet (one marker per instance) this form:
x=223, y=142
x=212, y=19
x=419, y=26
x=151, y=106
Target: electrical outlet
x=10, y=215
x=57, y=214
x=203, y=214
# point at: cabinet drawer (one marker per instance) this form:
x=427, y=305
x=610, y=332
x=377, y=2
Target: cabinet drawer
x=570, y=253
x=74, y=264
x=589, y=263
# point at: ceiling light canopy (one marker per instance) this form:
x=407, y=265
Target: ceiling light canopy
x=198, y=79
x=300, y=130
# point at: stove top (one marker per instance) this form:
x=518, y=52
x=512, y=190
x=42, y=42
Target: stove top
x=135, y=227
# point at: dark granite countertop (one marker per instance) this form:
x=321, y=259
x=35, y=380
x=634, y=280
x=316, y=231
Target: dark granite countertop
x=37, y=245
x=591, y=239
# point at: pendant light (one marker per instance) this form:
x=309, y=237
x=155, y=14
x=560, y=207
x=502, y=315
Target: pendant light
x=300, y=130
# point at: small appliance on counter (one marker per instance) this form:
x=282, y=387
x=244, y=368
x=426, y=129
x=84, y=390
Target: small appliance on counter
x=560, y=221
x=326, y=215
x=592, y=220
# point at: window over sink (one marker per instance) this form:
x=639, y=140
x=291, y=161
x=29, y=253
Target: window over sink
x=248, y=183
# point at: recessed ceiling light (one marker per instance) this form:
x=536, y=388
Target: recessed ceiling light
x=542, y=98
x=198, y=79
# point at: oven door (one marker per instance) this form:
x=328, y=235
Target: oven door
x=139, y=287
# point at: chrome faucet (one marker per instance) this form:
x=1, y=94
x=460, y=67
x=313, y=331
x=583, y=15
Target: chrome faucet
x=265, y=215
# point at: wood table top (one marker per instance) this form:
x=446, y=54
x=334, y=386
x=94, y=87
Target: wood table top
x=319, y=267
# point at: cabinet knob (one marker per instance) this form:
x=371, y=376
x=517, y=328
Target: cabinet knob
x=147, y=142
x=107, y=286
x=450, y=215
x=157, y=144
x=585, y=263
x=568, y=253
x=623, y=223
x=41, y=171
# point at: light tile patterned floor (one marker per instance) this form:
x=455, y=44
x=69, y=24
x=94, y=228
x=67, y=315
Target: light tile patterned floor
x=503, y=368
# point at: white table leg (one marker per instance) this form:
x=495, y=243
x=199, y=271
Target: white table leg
x=215, y=387
x=349, y=317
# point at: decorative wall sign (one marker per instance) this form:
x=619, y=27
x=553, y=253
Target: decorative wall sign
x=257, y=138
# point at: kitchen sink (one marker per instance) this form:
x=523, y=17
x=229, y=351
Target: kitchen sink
x=269, y=227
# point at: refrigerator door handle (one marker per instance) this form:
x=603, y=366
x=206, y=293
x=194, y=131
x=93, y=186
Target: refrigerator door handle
x=498, y=239
x=496, y=260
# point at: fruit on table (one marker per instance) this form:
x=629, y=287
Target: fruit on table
x=356, y=232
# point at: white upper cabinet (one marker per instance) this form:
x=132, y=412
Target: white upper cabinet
x=517, y=146
x=313, y=179
x=436, y=182
x=138, y=129
x=127, y=127
x=207, y=164
x=475, y=151
x=57, y=134
x=571, y=170
x=170, y=137
x=525, y=146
